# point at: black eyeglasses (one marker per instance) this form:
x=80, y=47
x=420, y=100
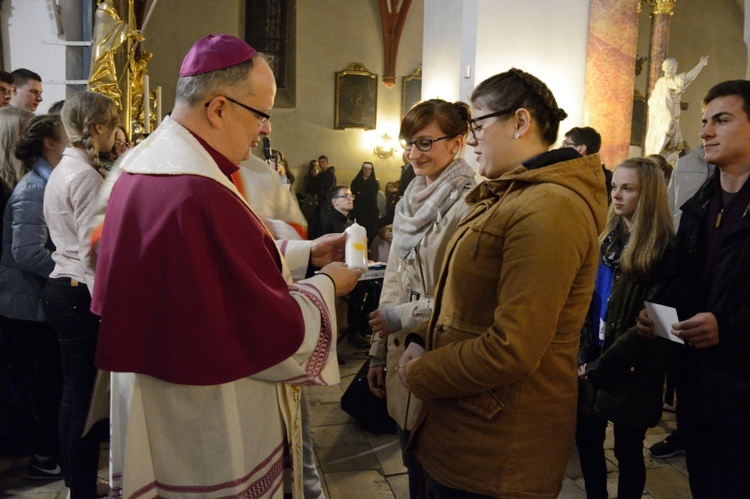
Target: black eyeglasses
x=478, y=128
x=264, y=117
x=423, y=143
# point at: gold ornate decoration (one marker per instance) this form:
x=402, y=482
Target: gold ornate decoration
x=110, y=33
x=659, y=7
x=116, y=40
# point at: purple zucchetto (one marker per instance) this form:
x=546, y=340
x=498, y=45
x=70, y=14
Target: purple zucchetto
x=215, y=52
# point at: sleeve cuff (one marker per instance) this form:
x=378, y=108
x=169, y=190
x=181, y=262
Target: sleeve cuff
x=393, y=318
x=414, y=338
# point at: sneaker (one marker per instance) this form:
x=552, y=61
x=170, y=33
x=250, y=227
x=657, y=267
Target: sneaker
x=670, y=446
x=44, y=470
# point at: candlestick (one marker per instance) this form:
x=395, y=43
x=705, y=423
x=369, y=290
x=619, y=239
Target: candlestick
x=158, y=105
x=146, y=107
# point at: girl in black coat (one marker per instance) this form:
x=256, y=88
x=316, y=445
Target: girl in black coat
x=622, y=373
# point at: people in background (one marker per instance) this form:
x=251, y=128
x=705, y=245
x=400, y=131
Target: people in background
x=326, y=181
x=15, y=434
x=26, y=91
x=13, y=124
x=326, y=177
x=365, y=188
x=382, y=204
x=335, y=216
x=311, y=180
x=35, y=372
x=499, y=361
x=691, y=172
x=108, y=158
x=621, y=373
x=407, y=175
x=664, y=166
x=90, y=121
x=587, y=141
x=6, y=81
x=280, y=165
x=56, y=107
x=433, y=134
x=707, y=279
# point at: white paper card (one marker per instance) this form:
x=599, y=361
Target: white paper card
x=663, y=318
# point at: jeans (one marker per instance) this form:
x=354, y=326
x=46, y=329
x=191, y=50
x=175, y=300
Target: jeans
x=66, y=307
x=417, y=484
x=590, y=435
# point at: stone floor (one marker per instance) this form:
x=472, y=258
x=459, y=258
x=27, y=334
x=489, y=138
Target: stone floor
x=357, y=464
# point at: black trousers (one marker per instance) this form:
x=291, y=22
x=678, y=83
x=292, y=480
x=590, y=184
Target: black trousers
x=35, y=377
x=590, y=434
x=66, y=306
x=717, y=455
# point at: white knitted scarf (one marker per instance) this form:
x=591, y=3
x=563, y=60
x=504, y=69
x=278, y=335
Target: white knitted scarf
x=424, y=204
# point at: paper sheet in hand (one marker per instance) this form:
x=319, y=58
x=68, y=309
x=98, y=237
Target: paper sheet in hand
x=663, y=318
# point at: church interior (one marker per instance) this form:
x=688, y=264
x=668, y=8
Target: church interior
x=600, y=58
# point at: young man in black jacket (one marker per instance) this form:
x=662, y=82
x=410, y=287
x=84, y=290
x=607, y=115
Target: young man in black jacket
x=708, y=281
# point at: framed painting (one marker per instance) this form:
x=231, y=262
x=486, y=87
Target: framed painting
x=411, y=91
x=356, y=98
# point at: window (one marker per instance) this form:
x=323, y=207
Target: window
x=269, y=28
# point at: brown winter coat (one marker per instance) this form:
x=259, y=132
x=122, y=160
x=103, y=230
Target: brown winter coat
x=499, y=378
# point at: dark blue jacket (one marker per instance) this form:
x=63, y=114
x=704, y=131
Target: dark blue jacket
x=27, y=248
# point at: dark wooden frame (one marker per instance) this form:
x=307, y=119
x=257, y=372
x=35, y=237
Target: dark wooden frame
x=356, y=101
x=411, y=91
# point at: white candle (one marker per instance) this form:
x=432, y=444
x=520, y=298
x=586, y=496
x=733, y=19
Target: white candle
x=158, y=106
x=146, y=107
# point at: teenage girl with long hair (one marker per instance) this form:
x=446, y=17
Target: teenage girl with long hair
x=622, y=373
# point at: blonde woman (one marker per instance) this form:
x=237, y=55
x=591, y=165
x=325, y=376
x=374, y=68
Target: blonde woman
x=90, y=120
x=13, y=123
x=622, y=373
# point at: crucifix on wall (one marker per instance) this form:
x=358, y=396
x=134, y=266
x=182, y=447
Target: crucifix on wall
x=393, y=16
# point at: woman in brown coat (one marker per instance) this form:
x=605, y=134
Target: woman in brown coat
x=498, y=380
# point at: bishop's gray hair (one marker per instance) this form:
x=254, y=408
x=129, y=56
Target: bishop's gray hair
x=194, y=90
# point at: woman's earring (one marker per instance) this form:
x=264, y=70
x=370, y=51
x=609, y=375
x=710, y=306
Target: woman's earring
x=517, y=134
x=454, y=151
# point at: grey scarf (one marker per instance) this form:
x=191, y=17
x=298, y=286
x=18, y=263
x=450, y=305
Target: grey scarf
x=423, y=205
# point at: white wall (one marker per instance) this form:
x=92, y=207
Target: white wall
x=25, y=25
x=547, y=38
x=444, y=41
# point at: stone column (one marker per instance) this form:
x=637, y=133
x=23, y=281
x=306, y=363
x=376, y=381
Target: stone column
x=610, y=75
x=661, y=15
